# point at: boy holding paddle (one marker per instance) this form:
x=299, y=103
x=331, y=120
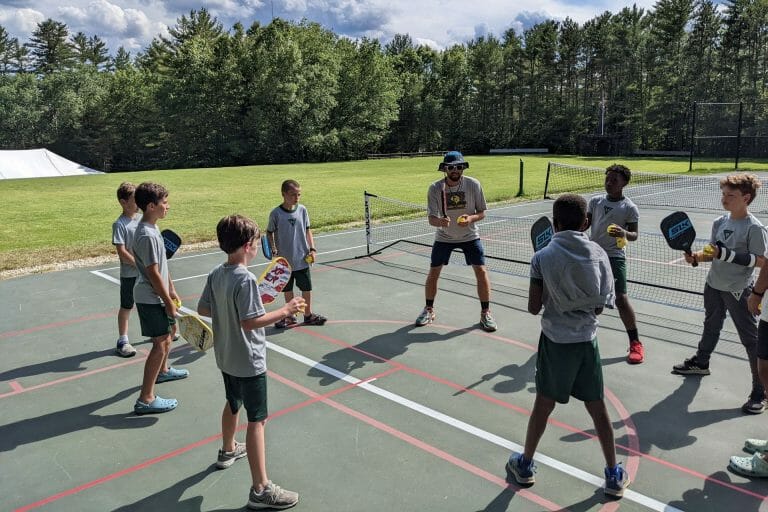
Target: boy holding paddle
x=571, y=279
x=613, y=219
x=737, y=244
x=231, y=298
x=155, y=298
x=290, y=236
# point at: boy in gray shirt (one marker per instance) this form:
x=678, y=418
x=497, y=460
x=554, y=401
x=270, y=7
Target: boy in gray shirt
x=122, y=238
x=737, y=245
x=231, y=298
x=571, y=278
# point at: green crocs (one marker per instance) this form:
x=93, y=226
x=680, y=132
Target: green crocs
x=756, y=445
x=754, y=466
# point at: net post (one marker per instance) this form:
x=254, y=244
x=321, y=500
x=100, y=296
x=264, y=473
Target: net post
x=693, y=138
x=738, y=135
x=520, y=188
x=366, y=195
x=546, y=182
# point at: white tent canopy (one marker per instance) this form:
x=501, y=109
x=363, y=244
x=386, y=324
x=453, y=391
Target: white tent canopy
x=38, y=163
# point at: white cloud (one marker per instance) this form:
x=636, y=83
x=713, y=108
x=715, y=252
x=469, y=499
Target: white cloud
x=21, y=21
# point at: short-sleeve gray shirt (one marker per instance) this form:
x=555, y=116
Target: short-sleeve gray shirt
x=743, y=236
x=123, y=230
x=232, y=295
x=290, y=229
x=605, y=212
x=466, y=198
x=148, y=249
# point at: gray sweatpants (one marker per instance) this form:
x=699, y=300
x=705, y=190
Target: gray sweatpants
x=716, y=303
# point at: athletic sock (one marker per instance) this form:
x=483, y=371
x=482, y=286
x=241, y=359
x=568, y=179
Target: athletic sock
x=485, y=304
x=430, y=303
x=122, y=340
x=632, y=333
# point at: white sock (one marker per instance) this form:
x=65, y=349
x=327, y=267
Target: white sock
x=122, y=339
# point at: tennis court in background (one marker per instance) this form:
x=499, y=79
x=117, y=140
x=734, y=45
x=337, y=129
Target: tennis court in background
x=367, y=412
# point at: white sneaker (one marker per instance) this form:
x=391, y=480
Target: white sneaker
x=125, y=350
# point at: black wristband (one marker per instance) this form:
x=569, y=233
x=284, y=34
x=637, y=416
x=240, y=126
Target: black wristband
x=312, y=249
x=758, y=293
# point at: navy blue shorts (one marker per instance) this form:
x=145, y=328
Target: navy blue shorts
x=473, y=252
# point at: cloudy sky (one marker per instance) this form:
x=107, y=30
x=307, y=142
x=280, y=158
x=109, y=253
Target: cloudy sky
x=439, y=23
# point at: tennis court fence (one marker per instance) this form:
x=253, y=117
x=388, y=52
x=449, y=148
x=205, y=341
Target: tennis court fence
x=679, y=191
x=655, y=272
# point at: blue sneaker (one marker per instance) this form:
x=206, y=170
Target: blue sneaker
x=172, y=374
x=156, y=406
x=521, y=469
x=616, y=480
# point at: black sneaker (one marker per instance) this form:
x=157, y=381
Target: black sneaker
x=691, y=367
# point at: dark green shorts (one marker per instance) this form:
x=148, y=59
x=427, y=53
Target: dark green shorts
x=155, y=322
x=126, y=292
x=302, y=279
x=565, y=370
x=248, y=391
x=619, y=269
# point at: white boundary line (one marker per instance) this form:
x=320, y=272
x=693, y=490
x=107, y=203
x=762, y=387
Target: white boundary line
x=558, y=465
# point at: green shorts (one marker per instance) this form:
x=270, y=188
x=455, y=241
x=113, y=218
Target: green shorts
x=569, y=369
x=619, y=268
x=301, y=278
x=155, y=322
x=248, y=391
x=126, y=292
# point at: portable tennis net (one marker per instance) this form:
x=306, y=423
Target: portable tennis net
x=679, y=191
x=655, y=272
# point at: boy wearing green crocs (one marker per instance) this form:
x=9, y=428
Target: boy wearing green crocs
x=154, y=294
x=231, y=298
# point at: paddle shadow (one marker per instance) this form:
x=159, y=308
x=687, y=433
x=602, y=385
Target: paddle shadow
x=518, y=378
x=32, y=430
x=378, y=349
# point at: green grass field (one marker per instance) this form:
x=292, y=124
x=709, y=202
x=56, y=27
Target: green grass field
x=49, y=220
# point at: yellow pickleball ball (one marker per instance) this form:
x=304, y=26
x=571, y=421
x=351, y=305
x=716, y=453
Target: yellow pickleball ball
x=177, y=302
x=709, y=250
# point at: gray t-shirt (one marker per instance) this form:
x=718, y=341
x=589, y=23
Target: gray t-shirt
x=290, y=229
x=466, y=198
x=605, y=212
x=577, y=278
x=743, y=236
x=232, y=295
x=122, y=234
x=148, y=249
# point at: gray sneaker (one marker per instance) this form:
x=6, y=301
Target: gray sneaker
x=273, y=496
x=427, y=316
x=487, y=322
x=125, y=350
x=226, y=459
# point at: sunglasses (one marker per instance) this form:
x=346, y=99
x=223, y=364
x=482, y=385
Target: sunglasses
x=451, y=167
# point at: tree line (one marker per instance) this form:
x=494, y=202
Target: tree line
x=288, y=92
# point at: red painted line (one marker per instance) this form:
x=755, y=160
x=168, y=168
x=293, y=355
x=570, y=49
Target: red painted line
x=184, y=449
x=433, y=450
x=16, y=386
x=633, y=450
x=61, y=323
x=18, y=390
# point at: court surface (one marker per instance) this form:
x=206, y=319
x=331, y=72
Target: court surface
x=368, y=412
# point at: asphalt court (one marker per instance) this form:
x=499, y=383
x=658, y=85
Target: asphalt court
x=367, y=411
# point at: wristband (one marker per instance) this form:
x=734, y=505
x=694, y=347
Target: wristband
x=744, y=259
x=312, y=249
x=757, y=293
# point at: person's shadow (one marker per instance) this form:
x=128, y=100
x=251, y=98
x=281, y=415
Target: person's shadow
x=716, y=498
x=653, y=426
x=70, y=363
x=59, y=423
x=518, y=377
x=378, y=349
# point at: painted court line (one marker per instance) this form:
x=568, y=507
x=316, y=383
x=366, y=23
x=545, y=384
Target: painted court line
x=637, y=497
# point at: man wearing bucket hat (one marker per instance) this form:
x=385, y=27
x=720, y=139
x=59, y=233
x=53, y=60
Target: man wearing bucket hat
x=455, y=204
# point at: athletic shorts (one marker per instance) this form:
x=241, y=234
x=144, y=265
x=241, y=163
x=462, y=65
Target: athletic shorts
x=126, y=292
x=619, y=268
x=302, y=279
x=155, y=322
x=248, y=391
x=473, y=252
x=565, y=370
x=762, y=340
